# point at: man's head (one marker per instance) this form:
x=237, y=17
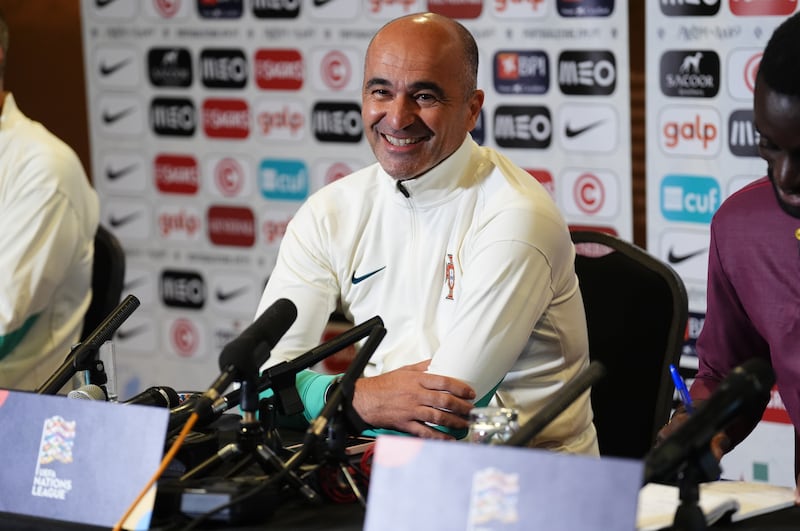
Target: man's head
x=419, y=93
x=777, y=113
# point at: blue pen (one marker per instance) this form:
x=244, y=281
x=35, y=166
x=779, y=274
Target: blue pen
x=680, y=385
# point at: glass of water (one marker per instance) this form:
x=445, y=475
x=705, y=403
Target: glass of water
x=492, y=425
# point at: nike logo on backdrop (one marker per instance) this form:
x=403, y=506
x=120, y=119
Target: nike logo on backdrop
x=114, y=221
x=114, y=174
x=570, y=132
x=110, y=118
x=107, y=70
x=129, y=333
x=223, y=296
x=673, y=258
x=356, y=279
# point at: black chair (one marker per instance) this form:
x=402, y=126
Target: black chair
x=108, y=275
x=636, y=311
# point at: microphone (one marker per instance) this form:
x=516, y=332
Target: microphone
x=746, y=388
x=82, y=353
x=88, y=392
x=159, y=396
x=243, y=356
x=558, y=403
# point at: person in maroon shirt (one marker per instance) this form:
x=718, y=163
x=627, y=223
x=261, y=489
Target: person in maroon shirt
x=753, y=293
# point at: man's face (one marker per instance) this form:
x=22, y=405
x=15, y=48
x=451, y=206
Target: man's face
x=416, y=107
x=777, y=118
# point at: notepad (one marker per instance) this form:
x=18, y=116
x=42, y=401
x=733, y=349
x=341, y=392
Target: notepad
x=80, y=461
x=738, y=499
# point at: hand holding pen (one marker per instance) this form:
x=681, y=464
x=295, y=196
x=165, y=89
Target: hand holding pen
x=683, y=391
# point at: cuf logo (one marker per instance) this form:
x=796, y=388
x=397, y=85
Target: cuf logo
x=450, y=276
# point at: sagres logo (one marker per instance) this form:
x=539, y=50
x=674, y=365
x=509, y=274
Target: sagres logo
x=279, y=69
x=689, y=8
x=57, y=441
x=759, y=8
x=223, y=68
x=690, y=73
x=690, y=198
x=231, y=226
x=517, y=126
x=521, y=72
x=177, y=174
x=183, y=289
x=545, y=178
x=335, y=121
x=587, y=72
x=283, y=179
x=226, y=118
x=690, y=131
x=742, y=134
x=169, y=67
x=172, y=116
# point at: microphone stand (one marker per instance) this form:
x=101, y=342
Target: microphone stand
x=699, y=468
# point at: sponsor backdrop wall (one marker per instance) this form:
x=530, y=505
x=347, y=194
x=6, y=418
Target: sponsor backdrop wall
x=701, y=61
x=212, y=121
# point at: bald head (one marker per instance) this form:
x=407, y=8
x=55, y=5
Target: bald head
x=457, y=41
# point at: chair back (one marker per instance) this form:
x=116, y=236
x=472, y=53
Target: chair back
x=108, y=275
x=636, y=312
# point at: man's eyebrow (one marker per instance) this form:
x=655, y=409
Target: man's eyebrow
x=377, y=81
x=414, y=87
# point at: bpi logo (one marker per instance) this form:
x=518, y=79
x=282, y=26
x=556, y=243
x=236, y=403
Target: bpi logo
x=689, y=198
x=283, y=180
x=229, y=177
x=758, y=8
x=172, y=116
x=184, y=337
x=592, y=193
x=521, y=72
x=231, y=226
x=458, y=9
x=742, y=134
x=742, y=70
x=690, y=131
x=226, y=118
x=334, y=69
x=179, y=223
x=689, y=8
x=337, y=122
x=517, y=126
x=169, y=67
x=279, y=69
x=220, y=8
x=223, y=68
x=280, y=120
x=177, y=174
x=587, y=72
x=585, y=8
x=519, y=9
x=276, y=8
x=690, y=73
x=183, y=289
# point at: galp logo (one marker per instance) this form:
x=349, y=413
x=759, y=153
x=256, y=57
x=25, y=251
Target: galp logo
x=587, y=72
x=690, y=198
x=276, y=8
x=388, y=9
x=690, y=131
x=456, y=8
x=280, y=120
x=226, y=118
x=519, y=9
x=585, y=8
x=223, y=68
x=177, y=174
x=758, y=8
x=220, y=8
x=690, y=73
x=337, y=122
x=231, y=226
x=285, y=180
x=183, y=289
x=179, y=223
x=279, y=69
x=169, y=67
x=517, y=126
x=689, y=8
x=172, y=116
x=742, y=134
x=521, y=72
